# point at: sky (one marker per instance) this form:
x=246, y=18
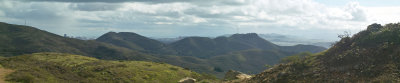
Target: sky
x=319, y=19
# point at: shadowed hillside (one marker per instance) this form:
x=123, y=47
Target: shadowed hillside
x=135, y=42
x=204, y=47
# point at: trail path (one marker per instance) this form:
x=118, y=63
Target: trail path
x=3, y=73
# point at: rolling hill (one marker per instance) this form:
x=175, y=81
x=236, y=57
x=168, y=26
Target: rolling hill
x=135, y=42
x=371, y=55
x=17, y=40
x=67, y=68
x=204, y=47
x=242, y=52
x=200, y=54
x=249, y=61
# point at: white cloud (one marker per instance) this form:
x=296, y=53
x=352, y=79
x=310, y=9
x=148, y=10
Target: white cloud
x=1, y=13
x=383, y=15
x=95, y=6
x=262, y=16
x=356, y=11
x=155, y=8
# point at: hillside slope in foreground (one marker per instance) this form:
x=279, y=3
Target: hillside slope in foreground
x=372, y=55
x=67, y=68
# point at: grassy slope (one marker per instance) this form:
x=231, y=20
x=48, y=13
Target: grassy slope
x=371, y=55
x=57, y=67
x=135, y=42
x=18, y=39
x=3, y=73
x=247, y=61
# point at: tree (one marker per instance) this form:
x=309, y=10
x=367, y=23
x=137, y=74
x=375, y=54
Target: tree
x=345, y=34
x=374, y=27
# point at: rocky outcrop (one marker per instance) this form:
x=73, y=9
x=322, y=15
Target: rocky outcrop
x=235, y=75
x=187, y=80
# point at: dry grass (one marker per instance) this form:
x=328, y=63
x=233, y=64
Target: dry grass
x=3, y=73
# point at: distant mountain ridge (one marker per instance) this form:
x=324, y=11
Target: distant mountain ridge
x=202, y=47
x=249, y=50
x=289, y=40
x=278, y=39
x=244, y=52
x=206, y=47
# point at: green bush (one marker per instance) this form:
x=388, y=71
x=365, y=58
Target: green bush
x=296, y=58
x=22, y=77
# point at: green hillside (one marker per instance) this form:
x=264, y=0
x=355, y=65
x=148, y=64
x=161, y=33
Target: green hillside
x=200, y=54
x=207, y=55
x=204, y=47
x=218, y=55
x=135, y=42
x=302, y=48
x=195, y=46
x=17, y=40
x=249, y=61
x=372, y=55
x=67, y=68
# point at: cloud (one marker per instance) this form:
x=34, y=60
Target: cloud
x=356, y=11
x=197, y=2
x=1, y=13
x=191, y=17
x=383, y=15
x=107, y=1
x=95, y=6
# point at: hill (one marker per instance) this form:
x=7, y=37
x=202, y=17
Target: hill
x=67, y=68
x=17, y=40
x=135, y=42
x=249, y=61
x=371, y=55
x=195, y=46
x=205, y=47
x=168, y=40
x=302, y=48
x=242, y=52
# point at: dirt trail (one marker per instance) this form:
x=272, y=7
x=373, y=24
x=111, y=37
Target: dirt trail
x=3, y=73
